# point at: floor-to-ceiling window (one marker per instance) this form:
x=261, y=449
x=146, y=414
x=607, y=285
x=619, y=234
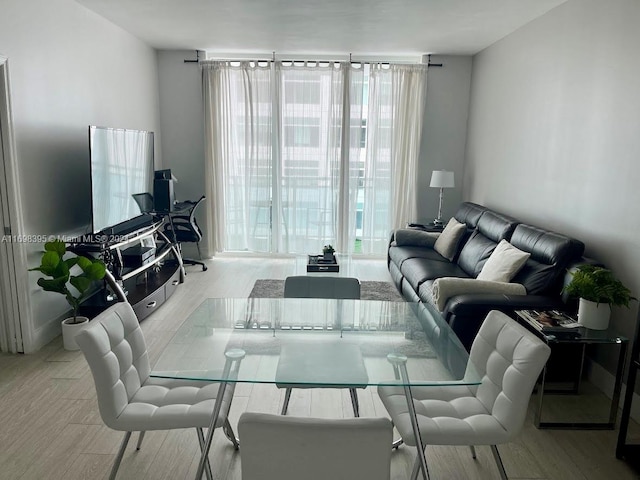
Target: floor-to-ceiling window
x=301, y=154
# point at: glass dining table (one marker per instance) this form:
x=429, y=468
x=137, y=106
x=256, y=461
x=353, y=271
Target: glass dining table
x=315, y=343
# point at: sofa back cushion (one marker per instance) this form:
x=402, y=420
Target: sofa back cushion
x=491, y=228
x=551, y=253
x=469, y=213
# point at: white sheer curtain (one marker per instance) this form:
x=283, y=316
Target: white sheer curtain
x=307, y=153
x=311, y=115
x=238, y=131
x=395, y=115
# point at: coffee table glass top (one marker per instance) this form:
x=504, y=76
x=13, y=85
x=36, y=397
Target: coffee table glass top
x=316, y=342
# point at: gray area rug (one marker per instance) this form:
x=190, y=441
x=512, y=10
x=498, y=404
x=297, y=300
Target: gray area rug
x=369, y=290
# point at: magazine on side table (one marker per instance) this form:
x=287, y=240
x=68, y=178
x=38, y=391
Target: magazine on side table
x=551, y=322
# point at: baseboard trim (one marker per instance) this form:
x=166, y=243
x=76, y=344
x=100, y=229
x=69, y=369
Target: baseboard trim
x=605, y=381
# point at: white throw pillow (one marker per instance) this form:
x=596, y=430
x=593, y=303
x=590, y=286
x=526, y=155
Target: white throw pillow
x=447, y=243
x=503, y=264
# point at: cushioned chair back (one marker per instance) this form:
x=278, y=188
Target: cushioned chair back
x=192, y=219
x=116, y=351
x=185, y=225
x=305, y=286
x=509, y=359
x=278, y=447
x=144, y=201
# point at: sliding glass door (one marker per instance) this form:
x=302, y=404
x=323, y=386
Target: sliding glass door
x=297, y=160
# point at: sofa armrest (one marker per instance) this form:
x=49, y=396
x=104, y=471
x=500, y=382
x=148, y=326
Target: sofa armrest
x=469, y=304
x=465, y=313
x=405, y=237
x=447, y=287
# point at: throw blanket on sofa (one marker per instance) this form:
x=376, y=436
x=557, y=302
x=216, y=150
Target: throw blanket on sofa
x=447, y=287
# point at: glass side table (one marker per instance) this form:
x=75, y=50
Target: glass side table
x=586, y=337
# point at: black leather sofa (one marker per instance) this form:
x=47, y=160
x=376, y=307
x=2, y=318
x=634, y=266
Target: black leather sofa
x=415, y=268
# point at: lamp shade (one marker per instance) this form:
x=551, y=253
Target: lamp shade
x=442, y=179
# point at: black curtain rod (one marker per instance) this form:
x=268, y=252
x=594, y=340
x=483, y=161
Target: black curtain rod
x=273, y=59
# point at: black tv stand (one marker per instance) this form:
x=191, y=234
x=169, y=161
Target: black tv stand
x=146, y=285
x=130, y=226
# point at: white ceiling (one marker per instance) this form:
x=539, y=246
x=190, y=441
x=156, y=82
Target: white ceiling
x=361, y=27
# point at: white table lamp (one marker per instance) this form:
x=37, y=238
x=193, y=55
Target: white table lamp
x=441, y=179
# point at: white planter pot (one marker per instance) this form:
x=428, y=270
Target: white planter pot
x=70, y=330
x=594, y=315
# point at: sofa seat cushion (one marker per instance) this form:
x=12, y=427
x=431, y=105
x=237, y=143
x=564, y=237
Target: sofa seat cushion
x=418, y=270
x=399, y=254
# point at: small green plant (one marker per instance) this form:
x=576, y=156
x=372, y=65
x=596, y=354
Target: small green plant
x=73, y=287
x=598, y=284
x=328, y=249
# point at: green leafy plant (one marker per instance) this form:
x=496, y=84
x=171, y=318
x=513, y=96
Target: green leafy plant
x=598, y=284
x=328, y=249
x=73, y=287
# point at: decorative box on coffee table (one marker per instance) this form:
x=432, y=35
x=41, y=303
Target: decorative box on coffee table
x=318, y=263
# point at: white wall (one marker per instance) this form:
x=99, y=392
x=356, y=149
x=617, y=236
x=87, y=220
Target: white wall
x=444, y=133
x=554, y=131
x=182, y=125
x=69, y=68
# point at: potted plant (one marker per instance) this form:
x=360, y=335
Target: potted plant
x=328, y=252
x=73, y=287
x=598, y=290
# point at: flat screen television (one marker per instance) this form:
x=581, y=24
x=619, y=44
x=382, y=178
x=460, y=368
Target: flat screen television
x=121, y=166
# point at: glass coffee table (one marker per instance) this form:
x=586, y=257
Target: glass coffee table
x=315, y=343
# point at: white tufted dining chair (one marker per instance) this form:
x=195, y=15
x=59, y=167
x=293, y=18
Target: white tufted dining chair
x=129, y=400
x=508, y=359
x=294, y=448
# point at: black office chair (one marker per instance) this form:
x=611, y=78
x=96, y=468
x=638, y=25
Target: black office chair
x=144, y=201
x=186, y=229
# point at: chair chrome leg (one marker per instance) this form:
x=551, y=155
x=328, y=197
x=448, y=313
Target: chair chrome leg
x=396, y=443
x=473, y=452
x=230, y=434
x=416, y=468
x=207, y=466
x=140, y=438
x=354, y=402
x=199, y=254
x=116, y=462
x=285, y=405
x=496, y=456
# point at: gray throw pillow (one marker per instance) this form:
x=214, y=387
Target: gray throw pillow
x=415, y=238
x=447, y=243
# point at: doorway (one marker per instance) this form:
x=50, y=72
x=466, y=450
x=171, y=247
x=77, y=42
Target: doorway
x=14, y=307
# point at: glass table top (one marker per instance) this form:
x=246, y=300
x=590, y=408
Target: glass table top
x=316, y=342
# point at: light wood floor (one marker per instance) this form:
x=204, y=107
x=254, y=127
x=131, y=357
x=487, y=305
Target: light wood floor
x=50, y=427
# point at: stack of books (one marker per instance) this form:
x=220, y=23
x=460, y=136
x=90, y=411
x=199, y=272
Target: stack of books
x=551, y=322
